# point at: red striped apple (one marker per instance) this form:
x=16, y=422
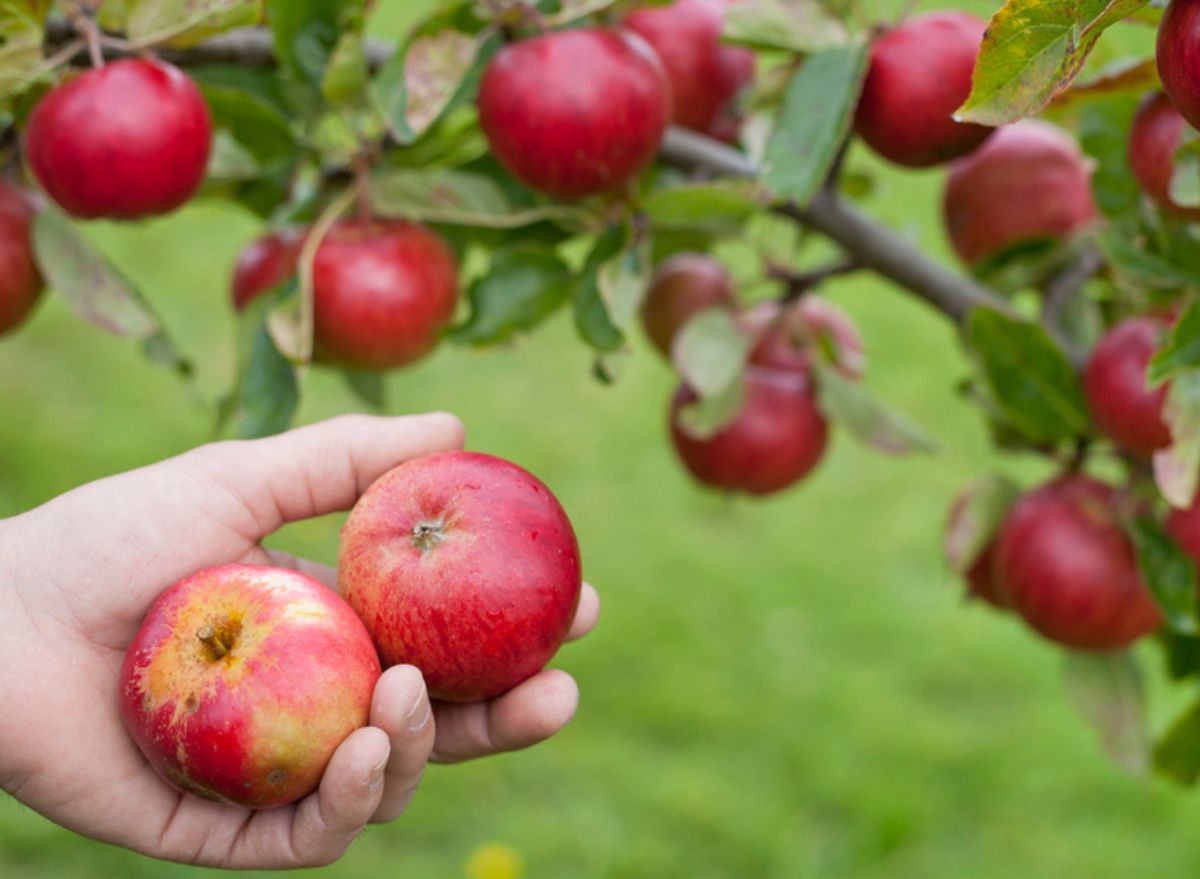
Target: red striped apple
x=465, y=566
x=243, y=681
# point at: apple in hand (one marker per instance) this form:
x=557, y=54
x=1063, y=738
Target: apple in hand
x=1156, y=135
x=683, y=285
x=919, y=74
x=265, y=263
x=464, y=565
x=575, y=112
x=1028, y=182
x=127, y=140
x=20, y=280
x=776, y=439
x=382, y=292
x=243, y=681
x=1114, y=382
x=1070, y=570
x=705, y=75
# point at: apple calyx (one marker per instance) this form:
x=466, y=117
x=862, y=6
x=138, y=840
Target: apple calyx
x=428, y=535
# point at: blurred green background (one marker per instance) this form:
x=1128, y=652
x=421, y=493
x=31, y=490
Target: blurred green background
x=793, y=687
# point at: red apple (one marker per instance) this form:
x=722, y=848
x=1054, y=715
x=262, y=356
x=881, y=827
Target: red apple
x=243, y=681
x=1156, y=134
x=776, y=439
x=1027, y=183
x=20, y=281
x=265, y=263
x=980, y=577
x=130, y=139
x=683, y=285
x=1178, y=57
x=382, y=291
x=790, y=337
x=705, y=75
x=1184, y=526
x=575, y=112
x=465, y=566
x=1069, y=568
x=1114, y=381
x=919, y=74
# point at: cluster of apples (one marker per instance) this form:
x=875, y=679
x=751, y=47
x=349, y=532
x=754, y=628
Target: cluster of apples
x=242, y=681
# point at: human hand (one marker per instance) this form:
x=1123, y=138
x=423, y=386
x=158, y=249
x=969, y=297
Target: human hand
x=76, y=577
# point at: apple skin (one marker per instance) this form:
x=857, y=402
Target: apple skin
x=787, y=335
x=1114, y=382
x=1070, y=570
x=1029, y=181
x=981, y=580
x=21, y=282
x=382, y=291
x=705, y=75
x=464, y=565
x=1177, y=54
x=919, y=74
x=1155, y=136
x=128, y=140
x=1184, y=526
x=683, y=285
x=568, y=134
x=265, y=263
x=255, y=727
x=776, y=440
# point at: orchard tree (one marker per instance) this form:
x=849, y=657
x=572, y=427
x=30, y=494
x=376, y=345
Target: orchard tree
x=511, y=158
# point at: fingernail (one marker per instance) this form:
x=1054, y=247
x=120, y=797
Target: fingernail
x=376, y=777
x=420, y=713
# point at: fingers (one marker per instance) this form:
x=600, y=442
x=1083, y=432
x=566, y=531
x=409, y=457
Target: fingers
x=524, y=716
x=322, y=468
x=401, y=708
x=586, y=614
x=326, y=822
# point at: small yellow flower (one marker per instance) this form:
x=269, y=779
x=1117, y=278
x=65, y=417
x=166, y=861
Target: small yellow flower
x=493, y=860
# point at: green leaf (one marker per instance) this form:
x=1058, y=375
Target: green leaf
x=980, y=509
x=1030, y=378
x=266, y=392
x=306, y=32
x=185, y=22
x=707, y=207
x=345, y=79
x=707, y=416
x=1031, y=52
x=522, y=287
x=22, y=25
x=434, y=67
x=1168, y=572
x=1182, y=350
x=818, y=110
x=461, y=198
x=1167, y=261
x=367, y=385
x=798, y=26
x=1184, y=188
x=253, y=122
x=1104, y=136
x=710, y=351
x=1177, y=754
x=848, y=403
x=592, y=317
x=1182, y=654
x=1106, y=689
x=1177, y=468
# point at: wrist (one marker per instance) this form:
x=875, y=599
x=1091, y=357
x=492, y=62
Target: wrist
x=13, y=616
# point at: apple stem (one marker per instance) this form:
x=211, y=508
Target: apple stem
x=84, y=16
x=362, y=184
x=212, y=641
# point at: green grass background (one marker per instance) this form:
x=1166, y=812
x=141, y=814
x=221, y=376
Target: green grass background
x=790, y=688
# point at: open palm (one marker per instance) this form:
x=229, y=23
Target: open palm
x=78, y=574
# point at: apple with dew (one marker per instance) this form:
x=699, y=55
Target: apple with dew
x=242, y=681
x=704, y=74
x=265, y=263
x=1157, y=133
x=919, y=75
x=129, y=139
x=776, y=439
x=682, y=286
x=1070, y=570
x=20, y=280
x=1121, y=402
x=790, y=336
x=1177, y=54
x=1029, y=182
x=382, y=292
x=576, y=112
x=464, y=565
